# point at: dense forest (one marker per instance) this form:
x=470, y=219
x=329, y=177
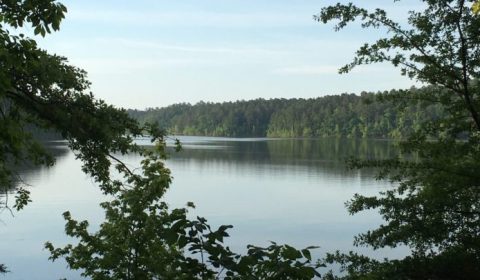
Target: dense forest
x=346, y=115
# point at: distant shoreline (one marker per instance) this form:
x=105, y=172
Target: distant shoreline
x=346, y=115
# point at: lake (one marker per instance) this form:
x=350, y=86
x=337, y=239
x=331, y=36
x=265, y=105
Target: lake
x=284, y=190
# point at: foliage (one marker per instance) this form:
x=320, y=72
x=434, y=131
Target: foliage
x=140, y=238
x=345, y=115
x=3, y=269
x=42, y=90
x=434, y=207
x=476, y=7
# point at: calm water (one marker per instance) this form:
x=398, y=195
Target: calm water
x=289, y=191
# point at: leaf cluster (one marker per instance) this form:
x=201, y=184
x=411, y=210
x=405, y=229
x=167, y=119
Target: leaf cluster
x=142, y=239
x=433, y=205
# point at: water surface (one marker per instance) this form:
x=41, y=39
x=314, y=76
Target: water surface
x=284, y=190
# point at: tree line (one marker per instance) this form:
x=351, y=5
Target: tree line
x=346, y=115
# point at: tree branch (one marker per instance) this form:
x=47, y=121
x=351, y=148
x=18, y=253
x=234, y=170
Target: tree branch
x=464, y=55
x=121, y=163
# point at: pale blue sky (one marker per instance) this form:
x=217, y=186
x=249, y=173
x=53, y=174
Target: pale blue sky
x=153, y=53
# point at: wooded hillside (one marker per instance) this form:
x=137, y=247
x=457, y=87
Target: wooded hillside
x=345, y=115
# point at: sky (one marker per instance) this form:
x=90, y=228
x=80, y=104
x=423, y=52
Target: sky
x=154, y=53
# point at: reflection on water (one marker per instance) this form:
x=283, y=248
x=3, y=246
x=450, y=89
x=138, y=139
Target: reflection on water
x=285, y=190
x=313, y=156
x=27, y=170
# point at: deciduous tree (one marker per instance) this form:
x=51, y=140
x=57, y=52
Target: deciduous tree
x=41, y=90
x=434, y=205
x=38, y=89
